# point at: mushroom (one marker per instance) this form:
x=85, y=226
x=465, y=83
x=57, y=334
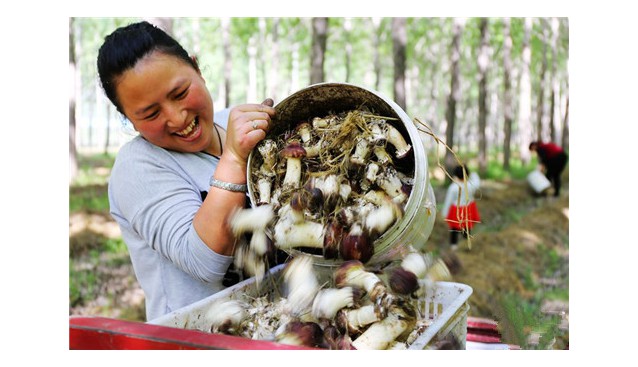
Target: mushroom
x=289, y=234
x=356, y=245
x=402, y=281
x=267, y=148
x=329, y=301
x=303, y=129
x=382, y=156
x=389, y=181
x=225, y=316
x=381, y=218
x=381, y=334
x=352, y=321
x=362, y=149
x=293, y=153
x=395, y=138
x=301, y=284
x=264, y=188
x=353, y=273
x=329, y=186
x=302, y=333
x=370, y=176
x=244, y=220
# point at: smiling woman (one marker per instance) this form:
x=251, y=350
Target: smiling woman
x=173, y=219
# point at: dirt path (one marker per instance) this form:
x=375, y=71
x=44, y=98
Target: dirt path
x=518, y=263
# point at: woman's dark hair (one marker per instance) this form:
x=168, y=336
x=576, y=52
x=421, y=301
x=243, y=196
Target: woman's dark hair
x=458, y=172
x=123, y=48
x=533, y=145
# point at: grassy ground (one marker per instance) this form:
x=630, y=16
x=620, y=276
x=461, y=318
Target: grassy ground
x=518, y=263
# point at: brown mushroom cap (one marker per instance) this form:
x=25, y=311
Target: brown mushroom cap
x=293, y=150
x=357, y=245
x=332, y=240
x=403, y=281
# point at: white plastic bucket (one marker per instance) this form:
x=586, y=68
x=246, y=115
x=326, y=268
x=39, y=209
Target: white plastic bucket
x=538, y=181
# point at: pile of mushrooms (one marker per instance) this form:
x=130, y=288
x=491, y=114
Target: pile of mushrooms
x=355, y=309
x=332, y=184
x=329, y=187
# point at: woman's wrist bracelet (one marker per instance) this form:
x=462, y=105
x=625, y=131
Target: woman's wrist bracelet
x=228, y=186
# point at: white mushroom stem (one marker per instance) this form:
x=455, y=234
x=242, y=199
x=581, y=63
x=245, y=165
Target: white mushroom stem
x=417, y=263
x=313, y=150
x=381, y=334
x=381, y=218
x=250, y=219
x=372, y=170
x=252, y=264
x=301, y=283
x=362, y=316
x=377, y=197
x=259, y=242
x=329, y=185
x=319, y=122
x=304, y=132
x=395, y=138
x=382, y=156
x=390, y=183
x=268, y=149
x=293, y=172
x=329, y=301
x=377, y=132
x=361, y=151
x=352, y=273
x=264, y=187
x=344, y=190
x=225, y=316
x=289, y=235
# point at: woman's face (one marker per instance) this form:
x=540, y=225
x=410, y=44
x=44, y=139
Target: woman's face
x=168, y=103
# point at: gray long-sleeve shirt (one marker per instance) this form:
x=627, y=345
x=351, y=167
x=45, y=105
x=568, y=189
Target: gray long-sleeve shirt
x=154, y=194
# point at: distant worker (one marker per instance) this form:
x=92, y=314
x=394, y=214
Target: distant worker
x=459, y=207
x=552, y=160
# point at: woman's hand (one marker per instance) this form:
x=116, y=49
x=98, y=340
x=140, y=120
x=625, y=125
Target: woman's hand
x=247, y=126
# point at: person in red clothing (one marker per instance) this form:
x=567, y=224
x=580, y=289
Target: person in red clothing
x=553, y=160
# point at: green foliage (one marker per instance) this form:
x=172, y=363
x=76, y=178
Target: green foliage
x=89, y=190
x=92, y=199
x=517, y=170
x=83, y=284
x=115, y=245
x=524, y=317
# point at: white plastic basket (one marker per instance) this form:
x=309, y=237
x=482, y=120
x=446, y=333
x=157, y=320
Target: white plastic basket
x=445, y=305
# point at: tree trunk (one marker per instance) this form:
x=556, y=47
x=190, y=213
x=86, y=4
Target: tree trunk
x=107, y=140
x=228, y=59
x=273, y=74
x=507, y=98
x=319, y=38
x=73, y=155
x=261, y=55
x=525, y=96
x=347, y=28
x=540, y=104
x=450, y=113
x=376, y=24
x=251, y=93
x=197, y=39
x=554, y=83
x=483, y=65
x=399, y=42
x=565, y=139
